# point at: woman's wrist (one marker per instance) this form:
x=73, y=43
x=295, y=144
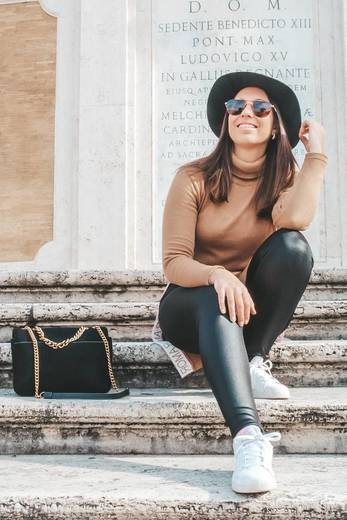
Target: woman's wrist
x=211, y=278
x=316, y=150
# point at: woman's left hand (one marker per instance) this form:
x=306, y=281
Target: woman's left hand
x=316, y=136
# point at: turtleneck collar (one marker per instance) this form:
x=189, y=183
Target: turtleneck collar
x=247, y=170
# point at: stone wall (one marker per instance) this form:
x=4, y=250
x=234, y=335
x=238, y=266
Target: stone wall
x=121, y=71
x=27, y=86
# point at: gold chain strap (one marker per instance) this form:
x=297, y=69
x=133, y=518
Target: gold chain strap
x=63, y=344
x=58, y=344
x=36, y=361
x=108, y=356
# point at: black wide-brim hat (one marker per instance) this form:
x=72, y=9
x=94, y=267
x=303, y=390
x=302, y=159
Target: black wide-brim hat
x=228, y=85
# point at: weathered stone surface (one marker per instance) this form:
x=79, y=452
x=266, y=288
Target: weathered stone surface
x=134, y=320
x=132, y=286
x=185, y=421
x=12, y=313
x=81, y=286
x=309, y=487
x=145, y=364
x=28, y=104
x=98, y=278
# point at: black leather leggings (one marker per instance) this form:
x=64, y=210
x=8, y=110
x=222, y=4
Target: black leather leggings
x=191, y=320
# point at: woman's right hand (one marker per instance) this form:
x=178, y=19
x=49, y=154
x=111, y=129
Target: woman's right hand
x=229, y=288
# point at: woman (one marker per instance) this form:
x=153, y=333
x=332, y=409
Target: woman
x=235, y=258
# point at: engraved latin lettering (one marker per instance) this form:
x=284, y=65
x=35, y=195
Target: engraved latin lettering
x=167, y=76
x=274, y=5
x=194, y=6
x=282, y=56
x=234, y=5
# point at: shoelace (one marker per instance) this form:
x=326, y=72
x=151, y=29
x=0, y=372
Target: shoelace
x=256, y=454
x=267, y=366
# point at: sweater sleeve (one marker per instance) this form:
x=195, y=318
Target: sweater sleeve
x=296, y=206
x=178, y=234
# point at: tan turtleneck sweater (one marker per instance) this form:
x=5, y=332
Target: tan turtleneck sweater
x=200, y=237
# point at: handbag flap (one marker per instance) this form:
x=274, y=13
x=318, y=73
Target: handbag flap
x=56, y=333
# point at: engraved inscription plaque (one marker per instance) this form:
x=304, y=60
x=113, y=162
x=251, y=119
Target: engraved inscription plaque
x=193, y=43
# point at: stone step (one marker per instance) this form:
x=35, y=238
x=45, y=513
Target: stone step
x=76, y=286
x=167, y=421
x=145, y=364
x=128, y=321
x=102, y=487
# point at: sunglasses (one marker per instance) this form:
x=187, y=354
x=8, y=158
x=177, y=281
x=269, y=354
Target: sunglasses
x=260, y=108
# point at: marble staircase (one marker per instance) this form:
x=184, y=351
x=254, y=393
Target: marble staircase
x=165, y=450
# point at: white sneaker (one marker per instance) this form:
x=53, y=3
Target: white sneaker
x=264, y=384
x=253, y=471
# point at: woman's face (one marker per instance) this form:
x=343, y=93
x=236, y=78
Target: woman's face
x=261, y=130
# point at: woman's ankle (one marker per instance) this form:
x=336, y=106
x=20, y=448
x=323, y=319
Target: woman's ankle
x=250, y=429
x=195, y=360
x=259, y=356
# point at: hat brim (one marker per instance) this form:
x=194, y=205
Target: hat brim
x=228, y=85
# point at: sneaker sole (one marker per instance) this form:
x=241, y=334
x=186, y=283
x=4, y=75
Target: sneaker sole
x=254, y=489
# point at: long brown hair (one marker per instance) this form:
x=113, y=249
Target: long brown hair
x=277, y=174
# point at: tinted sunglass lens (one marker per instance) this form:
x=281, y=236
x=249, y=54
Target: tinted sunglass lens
x=261, y=108
x=235, y=106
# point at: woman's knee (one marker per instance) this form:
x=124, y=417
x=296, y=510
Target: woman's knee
x=285, y=254
x=207, y=302
x=293, y=245
x=186, y=305
x=295, y=242
x=289, y=248
x=187, y=313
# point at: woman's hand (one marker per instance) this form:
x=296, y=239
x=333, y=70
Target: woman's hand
x=316, y=136
x=239, y=301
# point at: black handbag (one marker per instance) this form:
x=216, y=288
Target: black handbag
x=64, y=363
